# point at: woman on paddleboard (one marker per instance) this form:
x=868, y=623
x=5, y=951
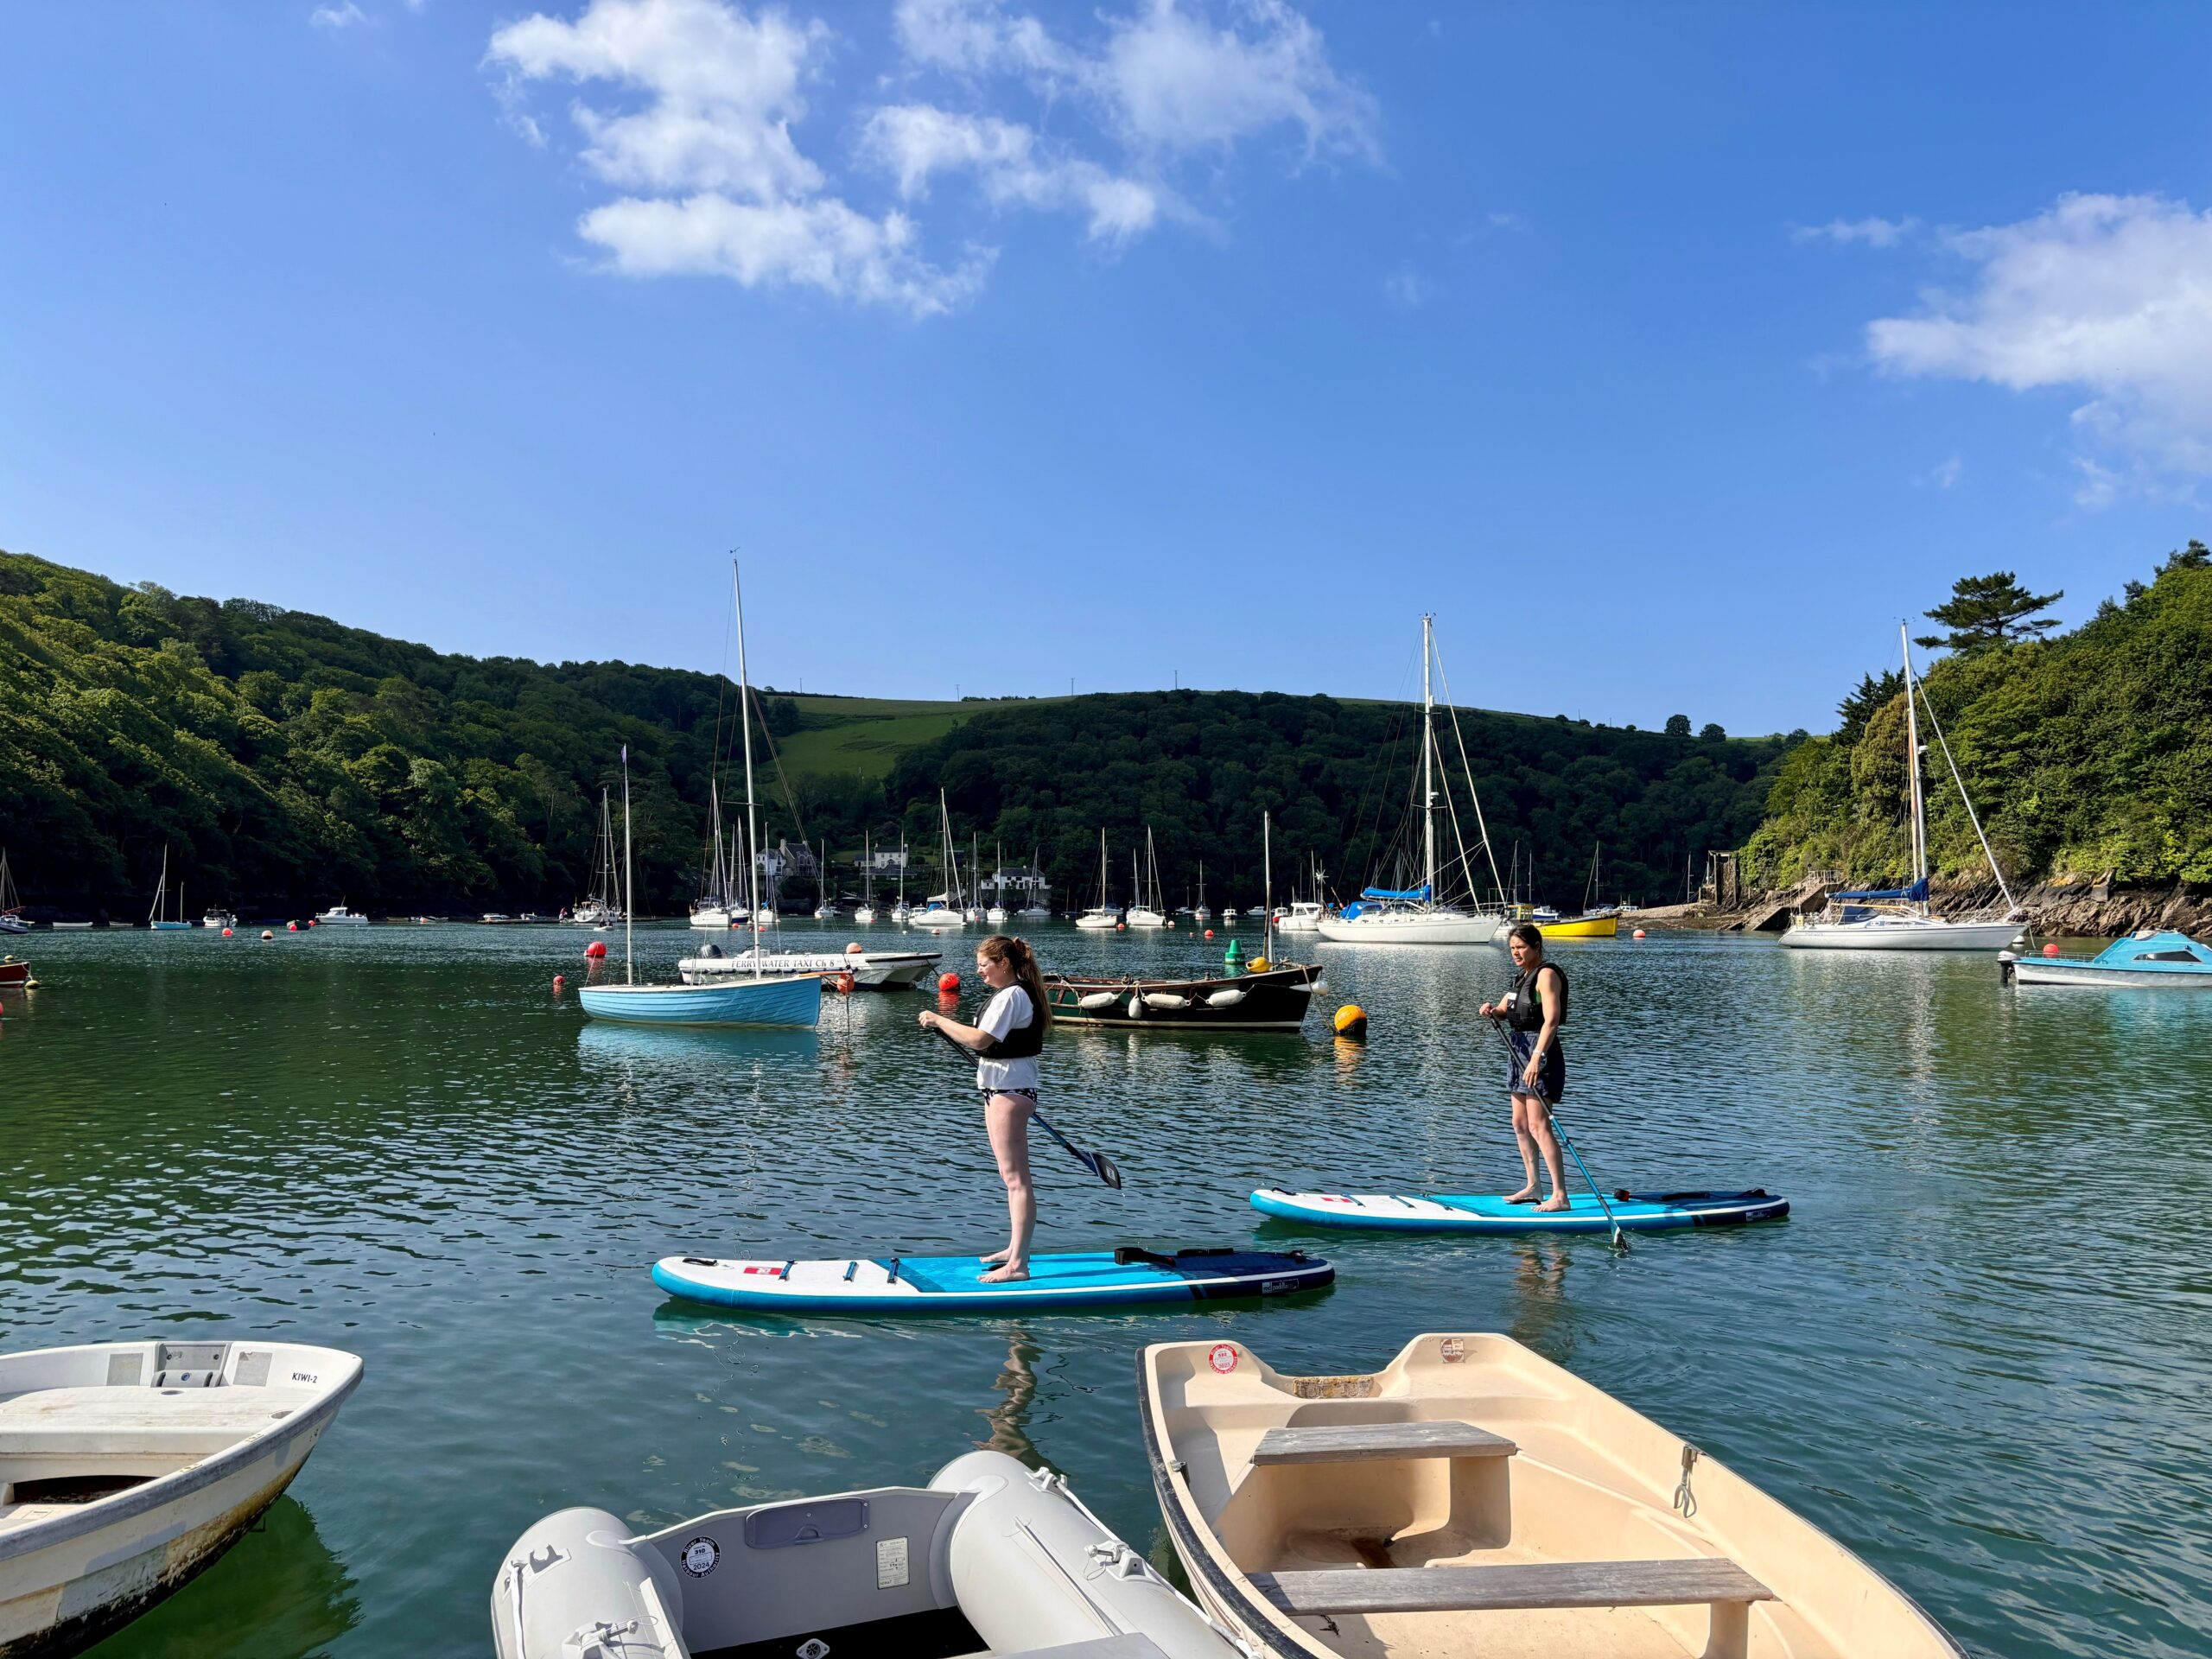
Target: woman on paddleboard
x=1532, y=1011
x=1008, y=1039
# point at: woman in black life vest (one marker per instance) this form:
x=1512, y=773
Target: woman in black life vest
x=1008, y=1039
x=1532, y=1011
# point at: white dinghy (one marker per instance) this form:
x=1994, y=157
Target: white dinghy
x=989, y=1558
x=1472, y=1500
x=127, y=1467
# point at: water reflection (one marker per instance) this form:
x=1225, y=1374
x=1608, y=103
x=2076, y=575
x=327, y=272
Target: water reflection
x=1016, y=1387
x=279, y=1593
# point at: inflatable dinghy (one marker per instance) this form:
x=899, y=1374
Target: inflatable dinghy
x=990, y=1558
x=1637, y=1212
x=954, y=1284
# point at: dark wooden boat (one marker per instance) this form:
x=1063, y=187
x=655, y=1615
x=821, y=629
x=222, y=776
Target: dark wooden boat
x=1277, y=999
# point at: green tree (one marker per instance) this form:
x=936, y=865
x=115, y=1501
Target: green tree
x=1859, y=707
x=1991, y=610
x=1678, y=726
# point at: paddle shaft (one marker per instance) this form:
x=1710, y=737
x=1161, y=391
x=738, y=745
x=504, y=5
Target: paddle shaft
x=1097, y=1165
x=1620, y=1239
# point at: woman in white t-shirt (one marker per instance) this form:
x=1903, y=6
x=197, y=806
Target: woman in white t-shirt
x=1008, y=1039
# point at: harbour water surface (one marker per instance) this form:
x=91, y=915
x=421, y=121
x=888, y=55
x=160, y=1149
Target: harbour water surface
x=1977, y=1353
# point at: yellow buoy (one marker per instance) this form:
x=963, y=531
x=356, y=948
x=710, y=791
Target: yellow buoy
x=1351, y=1021
x=1257, y=965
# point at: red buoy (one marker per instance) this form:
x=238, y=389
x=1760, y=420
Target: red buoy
x=948, y=982
x=595, y=951
x=1209, y=932
x=559, y=980
x=1118, y=926
x=227, y=932
x=2051, y=949
x=310, y=921
x=294, y=927
x=1637, y=934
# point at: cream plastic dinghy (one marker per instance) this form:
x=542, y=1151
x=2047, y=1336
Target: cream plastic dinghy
x=989, y=1558
x=127, y=1467
x=1474, y=1501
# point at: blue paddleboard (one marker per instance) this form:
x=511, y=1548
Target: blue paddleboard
x=953, y=1284
x=1637, y=1212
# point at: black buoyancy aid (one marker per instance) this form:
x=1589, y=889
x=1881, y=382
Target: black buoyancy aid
x=1524, y=1004
x=1021, y=1042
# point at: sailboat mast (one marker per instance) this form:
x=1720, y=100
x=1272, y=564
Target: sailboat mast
x=752, y=847
x=1912, y=766
x=1267, y=885
x=1428, y=757
x=629, y=893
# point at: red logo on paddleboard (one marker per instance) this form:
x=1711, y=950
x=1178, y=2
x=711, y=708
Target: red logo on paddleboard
x=1224, y=1358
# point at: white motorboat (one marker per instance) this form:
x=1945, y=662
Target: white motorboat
x=1419, y=915
x=1303, y=915
x=219, y=919
x=990, y=1559
x=871, y=970
x=338, y=916
x=1899, y=918
x=126, y=1468
x=2151, y=959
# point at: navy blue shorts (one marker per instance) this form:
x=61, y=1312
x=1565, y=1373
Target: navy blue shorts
x=1551, y=1080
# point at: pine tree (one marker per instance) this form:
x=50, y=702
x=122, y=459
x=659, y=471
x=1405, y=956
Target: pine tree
x=1860, y=706
x=1991, y=610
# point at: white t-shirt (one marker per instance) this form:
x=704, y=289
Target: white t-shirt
x=1007, y=1011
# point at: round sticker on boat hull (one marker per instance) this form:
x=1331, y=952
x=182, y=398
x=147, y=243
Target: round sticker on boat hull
x=700, y=1557
x=1224, y=1358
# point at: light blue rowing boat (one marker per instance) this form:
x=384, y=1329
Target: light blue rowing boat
x=778, y=999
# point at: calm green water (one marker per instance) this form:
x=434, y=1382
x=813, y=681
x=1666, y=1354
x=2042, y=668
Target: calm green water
x=1978, y=1353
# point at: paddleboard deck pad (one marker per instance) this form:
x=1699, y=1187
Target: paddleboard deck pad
x=1637, y=1212
x=953, y=1284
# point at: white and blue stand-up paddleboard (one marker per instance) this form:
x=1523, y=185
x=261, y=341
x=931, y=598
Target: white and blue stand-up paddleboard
x=1637, y=1212
x=954, y=1284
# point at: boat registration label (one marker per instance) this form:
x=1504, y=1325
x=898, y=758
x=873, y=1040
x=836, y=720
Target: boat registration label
x=700, y=1557
x=891, y=1569
x=1224, y=1358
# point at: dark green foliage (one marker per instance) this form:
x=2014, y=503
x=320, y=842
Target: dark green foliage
x=1198, y=768
x=1711, y=732
x=2089, y=752
x=287, y=762
x=1678, y=725
x=1992, y=610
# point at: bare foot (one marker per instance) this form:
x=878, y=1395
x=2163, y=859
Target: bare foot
x=1523, y=1195
x=1005, y=1275
x=994, y=1258
x=1557, y=1201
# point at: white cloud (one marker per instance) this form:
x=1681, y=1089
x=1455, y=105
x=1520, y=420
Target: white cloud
x=2112, y=295
x=337, y=16
x=718, y=183
x=978, y=37
x=913, y=141
x=1407, y=288
x=1945, y=472
x=1874, y=232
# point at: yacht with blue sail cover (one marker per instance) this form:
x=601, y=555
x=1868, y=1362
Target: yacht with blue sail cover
x=2160, y=959
x=1899, y=918
x=1418, y=915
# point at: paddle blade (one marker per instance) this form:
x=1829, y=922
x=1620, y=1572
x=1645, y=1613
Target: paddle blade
x=1102, y=1167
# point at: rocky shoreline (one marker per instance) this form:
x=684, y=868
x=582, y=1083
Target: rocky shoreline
x=2078, y=909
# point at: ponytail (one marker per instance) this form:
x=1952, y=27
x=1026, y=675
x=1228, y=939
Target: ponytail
x=1017, y=954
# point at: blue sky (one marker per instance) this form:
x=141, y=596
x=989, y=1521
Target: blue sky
x=1667, y=353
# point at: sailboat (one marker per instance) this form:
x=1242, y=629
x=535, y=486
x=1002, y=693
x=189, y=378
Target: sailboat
x=1593, y=921
x=1143, y=914
x=941, y=912
x=1202, y=914
x=1102, y=915
x=11, y=902
x=973, y=911
x=155, y=918
x=900, y=912
x=1417, y=915
x=826, y=911
x=1033, y=911
x=715, y=909
x=1899, y=918
x=996, y=914
x=600, y=909
x=866, y=913
x=761, y=1000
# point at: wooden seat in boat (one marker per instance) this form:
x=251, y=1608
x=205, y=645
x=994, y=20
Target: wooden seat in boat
x=1360, y=1442
x=1541, y=1583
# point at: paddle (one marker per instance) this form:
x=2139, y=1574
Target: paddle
x=1620, y=1239
x=1097, y=1162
